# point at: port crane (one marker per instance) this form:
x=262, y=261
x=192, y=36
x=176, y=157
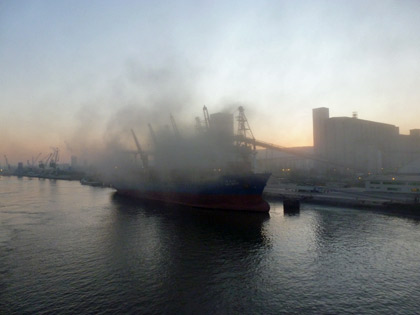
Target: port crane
x=198, y=126
x=47, y=159
x=152, y=134
x=143, y=155
x=244, y=140
x=7, y=162
x=206, y=117
x=54, y=158
x=36, y=159
x=245, y=137
x=175, y=127
x=271, y=146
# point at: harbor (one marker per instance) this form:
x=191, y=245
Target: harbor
x=96, y=252
x=209, y=157
x=220, y=167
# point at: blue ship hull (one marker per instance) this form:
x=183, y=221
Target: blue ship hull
x=228, y=192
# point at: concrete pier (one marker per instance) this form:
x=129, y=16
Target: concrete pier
x=350, y=197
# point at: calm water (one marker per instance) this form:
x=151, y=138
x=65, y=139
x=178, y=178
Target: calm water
x=69, y=248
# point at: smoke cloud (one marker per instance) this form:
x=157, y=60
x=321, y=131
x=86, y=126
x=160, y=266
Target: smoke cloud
x=161, y=99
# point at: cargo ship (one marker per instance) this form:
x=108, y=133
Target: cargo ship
x=227, y=192
x=212, y=170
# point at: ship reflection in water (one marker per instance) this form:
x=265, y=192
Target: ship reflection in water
x=242, y=225
x=67, y=248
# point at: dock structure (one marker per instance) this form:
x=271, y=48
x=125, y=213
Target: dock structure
x=349, y=197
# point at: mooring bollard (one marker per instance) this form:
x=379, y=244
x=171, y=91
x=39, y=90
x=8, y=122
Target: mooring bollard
x=291, y=205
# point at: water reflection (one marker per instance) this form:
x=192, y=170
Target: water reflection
x=291, y=214
x=68, y=248
x=246, y=226
x=178, y=252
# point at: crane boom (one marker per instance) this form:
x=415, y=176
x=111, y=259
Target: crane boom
x=36, y=159
x=152, y=134
x=245, y=137
x=291, y=151
x=41, y=162
x=48, y=158
x=243, y=125
x=206, y=117
x=7, y=162
x=54, y=158
x=244, y=130
x=174, y=126
x=198, y=126
x=143, y=155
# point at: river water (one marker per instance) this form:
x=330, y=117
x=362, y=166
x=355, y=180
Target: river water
x=68, y=248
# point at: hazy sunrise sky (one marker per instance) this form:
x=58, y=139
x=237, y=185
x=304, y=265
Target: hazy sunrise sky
x=71, y=70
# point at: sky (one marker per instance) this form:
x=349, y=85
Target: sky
x=72, y=73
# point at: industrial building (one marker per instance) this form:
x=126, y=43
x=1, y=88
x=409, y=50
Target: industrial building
x=278, y=162
x=362, y=145
x=393, y=183
x=348, y=145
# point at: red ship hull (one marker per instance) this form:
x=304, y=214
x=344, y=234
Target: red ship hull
x=219, y=202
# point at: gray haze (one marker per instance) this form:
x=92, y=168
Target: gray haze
x=62, y=61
